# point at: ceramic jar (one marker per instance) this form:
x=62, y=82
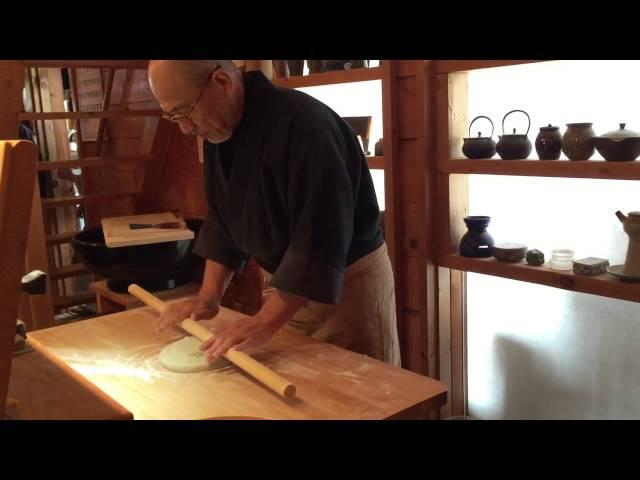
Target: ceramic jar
x=549, y=143
x=577, y=141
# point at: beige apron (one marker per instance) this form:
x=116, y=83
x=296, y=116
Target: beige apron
x=365, y=319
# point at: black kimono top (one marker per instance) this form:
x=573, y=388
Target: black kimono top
x=292, y=189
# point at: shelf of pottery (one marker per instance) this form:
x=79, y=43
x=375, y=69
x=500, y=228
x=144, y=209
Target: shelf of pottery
x=515, y=154
x=290, y=74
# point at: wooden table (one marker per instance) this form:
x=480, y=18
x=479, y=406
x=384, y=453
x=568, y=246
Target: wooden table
x=119, y=354
x=47, y=389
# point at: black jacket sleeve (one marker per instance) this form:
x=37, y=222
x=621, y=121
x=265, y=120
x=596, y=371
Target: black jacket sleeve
x=321, y=205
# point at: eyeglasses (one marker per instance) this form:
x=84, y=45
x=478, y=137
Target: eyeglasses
x=176, y=117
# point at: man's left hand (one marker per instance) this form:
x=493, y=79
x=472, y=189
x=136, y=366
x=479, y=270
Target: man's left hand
x=246, y=333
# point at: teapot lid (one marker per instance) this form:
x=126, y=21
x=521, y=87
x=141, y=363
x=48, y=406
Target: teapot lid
x=620, y=134
x=549, y=128
x=633, y=214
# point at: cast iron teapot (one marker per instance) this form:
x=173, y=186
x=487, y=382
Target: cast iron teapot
x=514, y=146
x=479, y=147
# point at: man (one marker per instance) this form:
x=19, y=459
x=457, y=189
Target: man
x=287, y=183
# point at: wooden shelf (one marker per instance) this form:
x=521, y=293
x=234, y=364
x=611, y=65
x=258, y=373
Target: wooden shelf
x=604, y=285
x=545, y=168
x=452, y=66
x=331, y=78
x=91, y=162
x=376, y=162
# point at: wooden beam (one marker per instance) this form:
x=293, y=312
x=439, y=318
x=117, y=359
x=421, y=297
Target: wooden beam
x=128, y=64
x=83, y=115
x=427, y=149
x=105, y=107
x=80, y=199
x=331, y=78
x=452, y=198
x=67, y=271
x=92, y=162
x=12, y=82
x=545, y=168
x=60, y=238
x=451, y=66
x=376, y=162
x=391, y=176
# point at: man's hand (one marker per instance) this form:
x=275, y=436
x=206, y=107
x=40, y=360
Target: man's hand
x=245, y=333
x=200, y=307
x=254, y=331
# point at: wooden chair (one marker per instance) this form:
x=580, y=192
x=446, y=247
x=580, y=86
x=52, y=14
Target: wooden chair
x=17, y=177
x=41, y=386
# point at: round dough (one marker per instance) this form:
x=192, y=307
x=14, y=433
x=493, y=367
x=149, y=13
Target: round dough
x=185, y=356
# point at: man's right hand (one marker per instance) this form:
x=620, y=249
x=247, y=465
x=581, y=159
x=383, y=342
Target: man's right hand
x=199, y=307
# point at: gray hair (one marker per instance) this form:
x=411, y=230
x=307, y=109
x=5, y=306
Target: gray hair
x=196, y=72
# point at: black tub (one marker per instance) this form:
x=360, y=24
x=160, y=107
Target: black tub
x=156, y=266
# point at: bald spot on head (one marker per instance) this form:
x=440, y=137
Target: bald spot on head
x=177, y=83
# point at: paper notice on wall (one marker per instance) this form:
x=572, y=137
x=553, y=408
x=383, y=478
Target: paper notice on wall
x=90, y=98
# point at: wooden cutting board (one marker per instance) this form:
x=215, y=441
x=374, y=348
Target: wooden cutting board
x=119, y=354
x=118, y=234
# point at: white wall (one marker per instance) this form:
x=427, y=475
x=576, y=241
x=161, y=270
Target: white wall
x=534, y=351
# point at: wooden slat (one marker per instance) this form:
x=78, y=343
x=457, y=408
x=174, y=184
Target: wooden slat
x=545, y=168
x=450, y=66
x=391, y=176
x=92, y=162
x=153, y=112
x=72, y=300
x=331, y=78
x=60, y=238
x=458, y=332
x=133, y=64
x=66, y=271
x=58, y=202
x=376, y=162
x=604, y=285
x=105, y=106
x=41, y=306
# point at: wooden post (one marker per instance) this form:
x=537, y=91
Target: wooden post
x=17, y=171
x=12, y=82
x=452, y=205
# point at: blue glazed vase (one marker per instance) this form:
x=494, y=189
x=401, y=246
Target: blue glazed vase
x=476, y=243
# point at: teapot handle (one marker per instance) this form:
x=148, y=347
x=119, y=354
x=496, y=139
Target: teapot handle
x=481, y=116
x=513, y=111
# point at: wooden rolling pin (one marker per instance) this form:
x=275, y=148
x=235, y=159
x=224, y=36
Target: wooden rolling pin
x=242, y=360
